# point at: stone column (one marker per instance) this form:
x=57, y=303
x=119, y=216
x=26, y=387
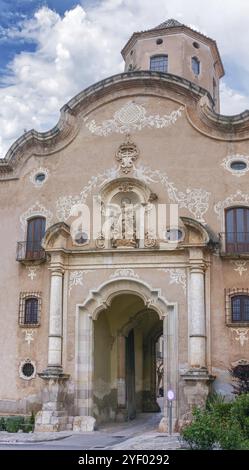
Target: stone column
x=197, y=379
x=53, y=416
x=55, y=321
x=197, y=336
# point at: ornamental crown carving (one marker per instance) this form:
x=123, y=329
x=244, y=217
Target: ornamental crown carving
x=126, y=155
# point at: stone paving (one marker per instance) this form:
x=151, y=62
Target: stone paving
x=140, y=434
x=150, y=441
x=22, y=437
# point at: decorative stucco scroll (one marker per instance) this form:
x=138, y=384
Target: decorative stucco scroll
x=177, y=276
x=65, y=203
x=236, y=198
x=124, y=272
x=195, y=200
x=241, y=335
x=239, y=266
x=76, y=279
x=35, y=211
x=132, y=117
x=32, y=272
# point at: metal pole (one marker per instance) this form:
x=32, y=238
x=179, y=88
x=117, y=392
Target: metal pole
x=170, y=417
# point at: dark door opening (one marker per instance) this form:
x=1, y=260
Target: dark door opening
x=130, y=376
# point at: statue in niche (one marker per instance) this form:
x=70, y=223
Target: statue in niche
x=127, y=222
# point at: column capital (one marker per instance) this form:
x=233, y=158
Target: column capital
x=57, y=269
x=198, y=267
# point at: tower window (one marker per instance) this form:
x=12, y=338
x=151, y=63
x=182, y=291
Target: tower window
x=159, y=63
x=196, y=45
x=196, y=65
x=159, y=41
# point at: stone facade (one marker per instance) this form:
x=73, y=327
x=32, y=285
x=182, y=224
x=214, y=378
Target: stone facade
x=150, y=138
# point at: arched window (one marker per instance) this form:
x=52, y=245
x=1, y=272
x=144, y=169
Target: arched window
x=35, y=234
x=196, y=65
x=240, y=308
x=159, y=63
x=31, y=311
x=237, y=230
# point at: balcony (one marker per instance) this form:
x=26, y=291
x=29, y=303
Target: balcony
x=234, y=243
x=30, y=252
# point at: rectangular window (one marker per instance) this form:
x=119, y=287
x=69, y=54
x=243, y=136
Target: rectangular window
x=29, y=309
x=159, y=63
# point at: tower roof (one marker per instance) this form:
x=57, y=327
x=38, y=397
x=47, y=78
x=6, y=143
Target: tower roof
x=169, y=24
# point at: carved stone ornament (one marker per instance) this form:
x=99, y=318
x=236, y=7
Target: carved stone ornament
x=100, y=241
x=126, y=155
x=150, y=241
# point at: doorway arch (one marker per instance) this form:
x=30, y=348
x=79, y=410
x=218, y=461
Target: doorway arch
x=99, y=302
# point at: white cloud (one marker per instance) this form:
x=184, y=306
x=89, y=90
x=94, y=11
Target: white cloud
x=84, y=47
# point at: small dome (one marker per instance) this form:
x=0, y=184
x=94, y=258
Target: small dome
x=169, y=24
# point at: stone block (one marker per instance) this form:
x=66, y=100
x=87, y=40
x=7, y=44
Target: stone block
x=46, y=417
x=84, y=424
x=163, y=425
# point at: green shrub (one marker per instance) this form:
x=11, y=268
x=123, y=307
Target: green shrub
x=216, y=404
x=2, y=424
x=200, y=433
x=14, y=423
x=229, y=435
x=220, y=424
x=240, y=412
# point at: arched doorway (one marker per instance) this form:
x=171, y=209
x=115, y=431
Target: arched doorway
x=124, y=382
x=103, y=325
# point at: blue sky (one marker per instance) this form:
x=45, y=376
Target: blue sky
x=50, y=50
x=12, y=12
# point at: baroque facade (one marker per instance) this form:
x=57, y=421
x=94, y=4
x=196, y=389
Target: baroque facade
x=81, y=314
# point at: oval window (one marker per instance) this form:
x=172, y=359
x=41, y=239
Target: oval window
x=173, y=235
x=28, y=369
x=238, y=165
x=40, y=177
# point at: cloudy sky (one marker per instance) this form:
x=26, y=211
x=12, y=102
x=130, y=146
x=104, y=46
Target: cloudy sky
x=50, y=50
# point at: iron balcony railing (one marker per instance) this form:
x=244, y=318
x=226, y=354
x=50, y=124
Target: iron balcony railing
x=30, y=251
x=235, y=242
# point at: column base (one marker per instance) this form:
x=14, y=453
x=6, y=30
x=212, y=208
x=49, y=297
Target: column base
x=53, y=416
x=196, y=390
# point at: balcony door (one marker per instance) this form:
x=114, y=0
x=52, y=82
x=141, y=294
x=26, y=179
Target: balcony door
x=237, y=230
x=35, y=234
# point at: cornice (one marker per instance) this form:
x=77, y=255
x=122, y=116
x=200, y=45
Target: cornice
x=198, y=106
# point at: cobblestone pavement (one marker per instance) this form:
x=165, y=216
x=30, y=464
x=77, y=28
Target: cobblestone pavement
x=150, y=441
x=140, y=434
